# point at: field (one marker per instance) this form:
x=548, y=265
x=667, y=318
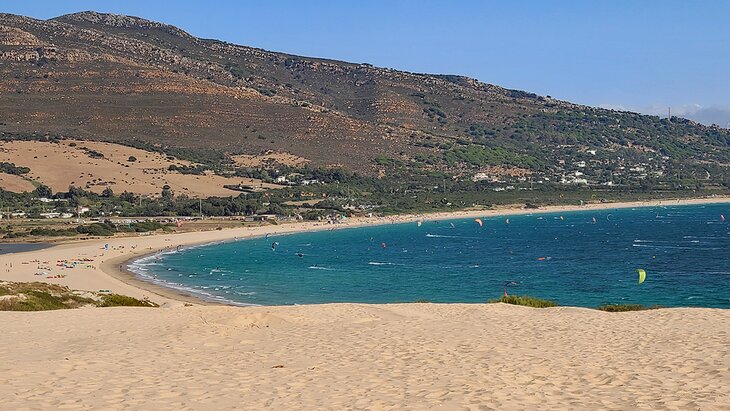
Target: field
x=95, y=166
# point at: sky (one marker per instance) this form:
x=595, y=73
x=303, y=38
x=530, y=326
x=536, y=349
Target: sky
x=638, y=55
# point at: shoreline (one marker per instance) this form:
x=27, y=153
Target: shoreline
x=111, y=271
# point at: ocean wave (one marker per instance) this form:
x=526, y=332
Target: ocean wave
x=669, y=247
x=197, y=291
x=429, y=235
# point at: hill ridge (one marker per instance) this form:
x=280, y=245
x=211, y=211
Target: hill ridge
x=120, y=78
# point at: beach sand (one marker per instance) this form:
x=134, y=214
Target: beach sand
x=344, y=356
x=376, y=357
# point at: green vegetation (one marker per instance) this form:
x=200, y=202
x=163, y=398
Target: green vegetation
x=50, y=232
x=118, y=300
x=616, y=308
x=526, y=301
x=101, y=229
x=196, y=169
x=41, y=296
x=480, y=156
x=11, y=168
x=92, y=153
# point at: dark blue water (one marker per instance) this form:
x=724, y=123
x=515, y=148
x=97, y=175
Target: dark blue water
x=571, y=260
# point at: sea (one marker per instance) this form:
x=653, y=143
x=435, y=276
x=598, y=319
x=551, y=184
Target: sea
x=580, y=258
x=12, y=248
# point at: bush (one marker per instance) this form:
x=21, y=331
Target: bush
x=144, y=226
x=132, y=159
x=525, y=300
x=617, y=308
x=97, y=229
x=50, y=232
x=118, y=300
x=39, y=297
x=11, y=168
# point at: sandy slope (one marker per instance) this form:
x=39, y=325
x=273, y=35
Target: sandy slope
x=67, y=163
x=347, y=356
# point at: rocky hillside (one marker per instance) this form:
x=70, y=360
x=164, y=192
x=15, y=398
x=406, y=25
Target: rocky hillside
x=119, y=78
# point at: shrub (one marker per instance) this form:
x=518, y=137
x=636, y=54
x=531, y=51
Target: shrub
x=50, y=232
x=11, y=168
x=525, y=300
x=617, y=308
x=118, y=300
x=39, y=297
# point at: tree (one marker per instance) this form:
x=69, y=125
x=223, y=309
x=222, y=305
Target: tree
x=166, y=193
x=43, y=191
x=107, y=193
x=128, y=197
x=132, y=159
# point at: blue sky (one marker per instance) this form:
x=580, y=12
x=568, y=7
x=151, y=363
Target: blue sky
x=641, y=55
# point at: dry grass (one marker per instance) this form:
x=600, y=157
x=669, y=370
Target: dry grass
x=38, y=296
x=15, y=183
x=68, y=163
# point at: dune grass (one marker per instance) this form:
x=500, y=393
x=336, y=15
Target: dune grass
x=38, y=296
x=118, y=300
x=618, y=308
x=525, y=300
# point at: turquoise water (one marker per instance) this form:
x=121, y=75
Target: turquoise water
x=571, y=260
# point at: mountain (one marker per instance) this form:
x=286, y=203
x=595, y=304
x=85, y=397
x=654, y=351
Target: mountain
x=129, y=80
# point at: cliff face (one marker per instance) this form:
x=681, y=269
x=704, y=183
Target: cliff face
x=116, y=78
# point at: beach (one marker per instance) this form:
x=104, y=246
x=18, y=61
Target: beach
x=376, y=357
x=105, y=269
x=189, y=355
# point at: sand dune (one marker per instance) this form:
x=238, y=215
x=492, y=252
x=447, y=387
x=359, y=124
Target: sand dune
x=346, y=356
